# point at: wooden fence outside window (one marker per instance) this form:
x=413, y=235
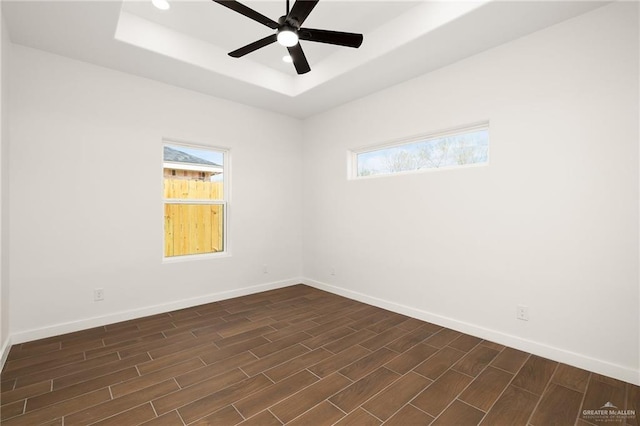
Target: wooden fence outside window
x=193, y=228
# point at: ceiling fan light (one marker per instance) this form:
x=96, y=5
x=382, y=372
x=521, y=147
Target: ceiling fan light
x=287, y=37
x=287, y=58
x=161, y=4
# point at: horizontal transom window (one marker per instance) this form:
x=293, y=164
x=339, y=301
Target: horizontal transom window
x=467, y=146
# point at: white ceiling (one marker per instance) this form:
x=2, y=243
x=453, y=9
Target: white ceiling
x=187, y=45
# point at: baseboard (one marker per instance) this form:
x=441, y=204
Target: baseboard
x=4, y=352
x=557, y=354
x=70, y=327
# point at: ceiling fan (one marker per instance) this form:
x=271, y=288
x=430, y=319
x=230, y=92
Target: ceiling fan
x=289, y=31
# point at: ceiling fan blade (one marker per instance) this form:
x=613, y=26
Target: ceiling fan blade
x=300, y=10
x=248, y=12
x=299, y=60
x=331, y=37
x=254, y=46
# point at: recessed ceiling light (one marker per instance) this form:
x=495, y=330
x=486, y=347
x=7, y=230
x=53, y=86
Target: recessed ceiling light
x=288, y=59
x=161, y=4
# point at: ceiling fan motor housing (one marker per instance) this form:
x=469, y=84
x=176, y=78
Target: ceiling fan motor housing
x=287, y=33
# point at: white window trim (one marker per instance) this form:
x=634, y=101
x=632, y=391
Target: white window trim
x=352, y=154
x=226, y=185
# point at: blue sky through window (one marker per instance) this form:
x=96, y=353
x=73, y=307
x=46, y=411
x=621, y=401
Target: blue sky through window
x=206, y=154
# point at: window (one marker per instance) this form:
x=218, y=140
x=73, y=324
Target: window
x=456, y=148
x=195, y=199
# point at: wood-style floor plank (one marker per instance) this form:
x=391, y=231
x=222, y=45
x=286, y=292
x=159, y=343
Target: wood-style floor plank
x=571, y=377
x=359, y=417
x=80, y=388
x=356, y=394
x=407, y=361
x=210, y=403
x=514, y=407
x=460, y=414
x=295, y=356
x=535, y=374
x=438, y=363
x=25, y=392
x=336, y=362
x=294, y=365
x=442, y=392
x=486, y=389
x=409, y=415
x=259, y=401
x=265, y=418
x=367, y=364
x=323, y=413
x=308, y=398
x=192, y=393
x=118, y=405
x=396, y=396
x=559, y=405
x=475, y=361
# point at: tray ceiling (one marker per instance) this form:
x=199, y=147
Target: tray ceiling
x=187, y=45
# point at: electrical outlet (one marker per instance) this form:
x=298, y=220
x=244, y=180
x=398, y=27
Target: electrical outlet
x=522, y=312
x=98, y=294
x=265, y=269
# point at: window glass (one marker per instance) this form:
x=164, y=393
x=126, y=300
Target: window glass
x=466, y=147
x=194, y=200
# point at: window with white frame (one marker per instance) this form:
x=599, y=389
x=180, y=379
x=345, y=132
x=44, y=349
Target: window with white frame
x=467, y=146
x=195, y=185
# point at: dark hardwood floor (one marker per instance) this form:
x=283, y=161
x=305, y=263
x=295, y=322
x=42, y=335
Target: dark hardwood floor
x=296, y=356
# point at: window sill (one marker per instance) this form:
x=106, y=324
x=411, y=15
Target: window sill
x=192, y=257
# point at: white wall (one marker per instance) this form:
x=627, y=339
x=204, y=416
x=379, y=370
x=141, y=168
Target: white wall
x=551, y=223
x=5, y=47
x=86, y=187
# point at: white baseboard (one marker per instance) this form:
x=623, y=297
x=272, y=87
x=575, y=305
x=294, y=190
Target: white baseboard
x=557, y=354
x=69, y=327
x=4, y=352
